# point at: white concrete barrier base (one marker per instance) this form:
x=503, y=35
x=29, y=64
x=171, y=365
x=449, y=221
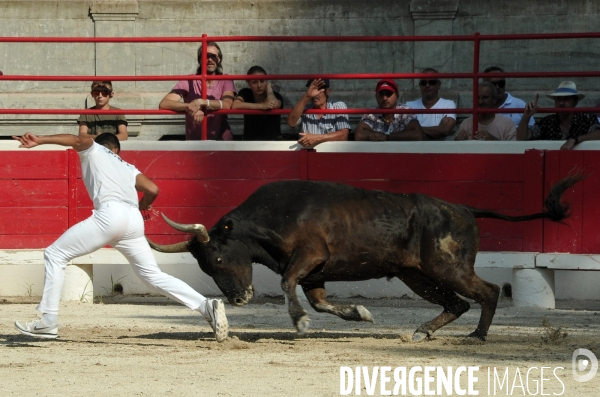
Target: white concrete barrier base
x=78, y=284
x=533, y=288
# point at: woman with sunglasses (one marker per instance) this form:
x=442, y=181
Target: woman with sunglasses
x=259, y=96
x=186, y=97
x=92, y=125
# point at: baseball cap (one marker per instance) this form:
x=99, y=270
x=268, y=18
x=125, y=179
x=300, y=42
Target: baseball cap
x=326, y=81
x=386, y=84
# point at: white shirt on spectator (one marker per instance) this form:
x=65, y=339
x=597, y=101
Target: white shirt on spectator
x=432, y=120
x=514, y=103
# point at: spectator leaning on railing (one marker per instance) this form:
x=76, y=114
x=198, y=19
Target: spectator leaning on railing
x=491, y=127
x=220, y=95
x=259, y=96
x=92, y=125
x=390, y=126
x=318, y=128
x=572, y=127
x=434, y=126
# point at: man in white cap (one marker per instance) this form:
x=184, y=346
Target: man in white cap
x=390, y=126
x=572, y=127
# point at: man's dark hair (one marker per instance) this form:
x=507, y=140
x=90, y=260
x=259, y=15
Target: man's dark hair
x=429, y=70
x=109, y=141
x=220, y=64
x=494, y=69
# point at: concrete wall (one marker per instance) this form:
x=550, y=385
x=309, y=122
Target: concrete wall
x=131, y=18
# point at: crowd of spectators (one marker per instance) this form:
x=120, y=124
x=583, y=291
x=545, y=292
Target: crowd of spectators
x=315, y=128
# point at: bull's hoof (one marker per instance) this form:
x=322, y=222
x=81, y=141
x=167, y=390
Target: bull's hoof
x=419, y=336
x=477, y=335
x=302, y=324
x=364, y=314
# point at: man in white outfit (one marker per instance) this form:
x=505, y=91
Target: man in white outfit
x=116, y=220
x=435, y=126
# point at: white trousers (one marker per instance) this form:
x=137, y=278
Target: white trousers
x=121, y=226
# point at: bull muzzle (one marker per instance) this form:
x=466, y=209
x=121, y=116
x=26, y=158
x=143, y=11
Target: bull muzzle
x=241, y=301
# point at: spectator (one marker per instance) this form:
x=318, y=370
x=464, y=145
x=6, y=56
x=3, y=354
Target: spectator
x=318, y=128
x=434, y=126
x=572, y=127
x=92, y=125
x=491, y=127
x=219, y=94
x=388, y=127
x=259, y=96
x=505, y=100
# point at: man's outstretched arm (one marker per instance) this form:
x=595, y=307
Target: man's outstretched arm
x=78, y=143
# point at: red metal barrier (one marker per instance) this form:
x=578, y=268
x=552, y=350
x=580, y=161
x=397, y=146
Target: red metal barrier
x=476, y=38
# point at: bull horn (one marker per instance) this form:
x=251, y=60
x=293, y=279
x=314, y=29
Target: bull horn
x=170, y=248
x=198, y=229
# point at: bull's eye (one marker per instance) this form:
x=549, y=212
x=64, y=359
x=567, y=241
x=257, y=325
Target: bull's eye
x=219, y=261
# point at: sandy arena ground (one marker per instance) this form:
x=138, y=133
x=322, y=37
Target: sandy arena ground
x=147, y=346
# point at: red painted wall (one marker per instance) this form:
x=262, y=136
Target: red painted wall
x=42, y=191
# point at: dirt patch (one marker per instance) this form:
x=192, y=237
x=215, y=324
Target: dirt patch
x=150, y=346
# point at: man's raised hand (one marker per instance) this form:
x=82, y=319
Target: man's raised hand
x=532, y=107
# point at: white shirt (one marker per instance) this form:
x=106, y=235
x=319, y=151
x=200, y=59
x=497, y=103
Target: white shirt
x=432, y=120
x=514, y=103
x=328, y=123
x=107, y=177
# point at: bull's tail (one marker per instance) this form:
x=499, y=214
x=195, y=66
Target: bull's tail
x=554, y=209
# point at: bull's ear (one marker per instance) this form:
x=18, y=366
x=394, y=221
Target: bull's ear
x=228, y=226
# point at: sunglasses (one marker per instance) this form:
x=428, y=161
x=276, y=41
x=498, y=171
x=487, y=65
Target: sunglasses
x=500, y=84
x=386, y=93
x=430, y=82
x=103, y=92
x=213, y=57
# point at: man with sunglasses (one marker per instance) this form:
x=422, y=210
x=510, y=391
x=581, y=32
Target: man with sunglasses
x=186, y=97
x=434, y=126
x=92, y=125
x=504, y=99
x=390, y=126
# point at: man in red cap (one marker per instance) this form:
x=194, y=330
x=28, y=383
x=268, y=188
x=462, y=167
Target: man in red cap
x=388, y=127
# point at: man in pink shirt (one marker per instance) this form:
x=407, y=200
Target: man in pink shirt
x=219, y=94
x=492, y=127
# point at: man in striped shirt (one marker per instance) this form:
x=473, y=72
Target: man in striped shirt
x=318, y=128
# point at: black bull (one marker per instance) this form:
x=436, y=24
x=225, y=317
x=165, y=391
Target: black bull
x=314, y=232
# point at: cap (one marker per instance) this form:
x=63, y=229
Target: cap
x=309, y=82
x=386, y=84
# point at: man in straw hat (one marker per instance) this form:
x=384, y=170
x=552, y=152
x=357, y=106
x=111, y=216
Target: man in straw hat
x=572, y=127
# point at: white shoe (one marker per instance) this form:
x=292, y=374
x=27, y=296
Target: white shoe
x=215, y=315
x=38, y=329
